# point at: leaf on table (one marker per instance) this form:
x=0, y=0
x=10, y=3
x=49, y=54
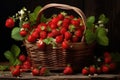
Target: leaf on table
x=16, y=35
x=3, y=67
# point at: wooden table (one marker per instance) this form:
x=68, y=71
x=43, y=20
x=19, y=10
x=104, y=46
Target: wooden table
x=6, y=75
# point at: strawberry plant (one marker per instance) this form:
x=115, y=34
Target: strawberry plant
x=97, y=32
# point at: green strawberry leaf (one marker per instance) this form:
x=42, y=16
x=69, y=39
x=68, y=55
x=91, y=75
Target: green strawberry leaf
x=15, y=34
x=37, y=9
x=102, y=38
x=17, y=62
x=15, y=50
x=43, y=19
x=3, y=67
x=34, y=14
x=90, y=36
x=9, y=56
x=90, y=21
x=48, y=40
x=103, y=18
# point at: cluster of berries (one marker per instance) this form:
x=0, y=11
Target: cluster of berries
x=61, y=28
x=107, y=65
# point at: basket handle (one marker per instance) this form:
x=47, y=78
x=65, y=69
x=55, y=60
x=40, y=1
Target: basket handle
x=66, y=7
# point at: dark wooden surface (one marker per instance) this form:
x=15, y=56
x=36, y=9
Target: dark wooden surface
x=5, y=75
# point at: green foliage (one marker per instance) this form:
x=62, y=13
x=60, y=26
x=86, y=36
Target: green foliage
x=33, y=16
x=3, y=67
x=102, y=38
x=16, y=35
x=90, y=22
x=103, y=18
x=96, y=31
x=12, y=55
x=89, y=36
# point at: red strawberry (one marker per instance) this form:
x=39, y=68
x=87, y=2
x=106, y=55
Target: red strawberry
x=26, y=66
x=43, y=34
x=61, y=16
x=53, y=26
x=108, y=60
x=107, y=54
x=92, y=69
x=65, y=45
x=37, y=29
x=23, y=33
x=55, y=20
x=59, y=39
x=68, y=70
x=75, y=22
x=22, y=57
x=26, y=25
x=71, y=16
x=31, y=38
x=66, y=20
x=10, y=23
x=42, y=26
x=18, y=66
x=35, y=34
x=75, y=38
x=112, y=66
x=50, y=35
x=55, y=32
x=40, y=44
x=63, y=30
x=68, y=35
x=35, y=72
x=85, y=71
x=16, y=72
x=44, y=71
x=78, y=33
x=105, y=68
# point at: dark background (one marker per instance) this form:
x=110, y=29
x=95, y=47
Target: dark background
x=110, y=8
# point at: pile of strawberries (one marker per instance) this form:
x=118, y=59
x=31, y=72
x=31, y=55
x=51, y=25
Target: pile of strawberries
x=105, y=65
x=26, y=66
x=60, y=29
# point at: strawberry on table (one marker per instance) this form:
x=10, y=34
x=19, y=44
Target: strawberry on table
x=85, y=71
x=68, y=70
x=92, y=69
x=35, y=72
x=105, y=68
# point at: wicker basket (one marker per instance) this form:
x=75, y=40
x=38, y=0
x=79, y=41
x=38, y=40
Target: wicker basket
x=78, y=55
